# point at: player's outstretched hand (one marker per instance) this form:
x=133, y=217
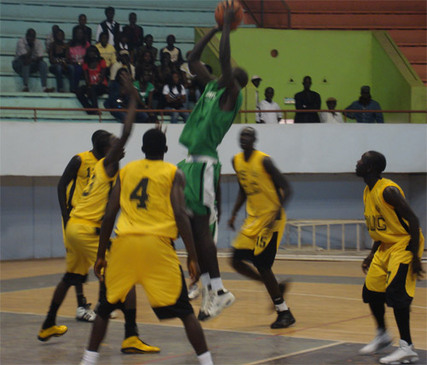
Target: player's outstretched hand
x=367, y=262
x=417, y=267
x=99, y=265
x=193, y=269
x=229, y=11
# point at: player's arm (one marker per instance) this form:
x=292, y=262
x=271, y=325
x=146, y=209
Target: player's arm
x=107, y=226
x=196, y=66
x=183, y=223
x=393, y=197
x=283, y=188
x=68, y=175
x=240, y=200
x=367, y=261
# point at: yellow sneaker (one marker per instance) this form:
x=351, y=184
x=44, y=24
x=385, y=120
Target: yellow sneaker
x=54, y=331
x=133, y=345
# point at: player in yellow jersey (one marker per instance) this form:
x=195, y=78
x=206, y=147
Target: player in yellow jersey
x=394, y=262
x=70, y=188
x=265, y=190
x=150, y=196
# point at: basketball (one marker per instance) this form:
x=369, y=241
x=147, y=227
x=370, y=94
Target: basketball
x=219, y=13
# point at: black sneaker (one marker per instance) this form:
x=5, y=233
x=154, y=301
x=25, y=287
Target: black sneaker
x=284, y=320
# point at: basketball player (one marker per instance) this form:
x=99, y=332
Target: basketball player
x=82, y=237
x=150, y=195
x=70, y=187
x=266, y=190
x=394, y=262
x=207, y=125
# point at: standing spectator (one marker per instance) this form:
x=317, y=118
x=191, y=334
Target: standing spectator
x=51, y=37
x=29, y=59
x=148, y=47
x=109, y=25
x=82, y=24
x=252, y=99
x=94, y=68
x=77, y=52
x=106, y=50
x=59, y=63
x=332, y=116
x=308, y=100
x=269, y=104
x=175, y=52
x=365, y=102
x=175, y=97
x=134, y=33
x=123, y=60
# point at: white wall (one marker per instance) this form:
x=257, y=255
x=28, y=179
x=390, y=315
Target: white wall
x=43, y=149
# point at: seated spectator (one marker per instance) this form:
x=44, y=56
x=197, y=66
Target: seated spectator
x=365, y=102
x=119, y=98
x=59, y=62
x=308, y=100
x=145, y=91
x=191, y=84
x=332, y=116
x=174, y=52
x=269, y=104
x=123, y=61
x=29, y=59
x=86, y=30
x=148, y=40
x=51, y=37
x=146, y=64
x=106, y=50
x=76, y=53
x=134, y=33
x=109, y=25
x=175, y=97
x=164, y=74
x=95, y=70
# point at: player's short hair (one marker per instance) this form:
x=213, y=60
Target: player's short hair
x=377, y=161
x=101, y=140
x=249, y=131
x=154, y=142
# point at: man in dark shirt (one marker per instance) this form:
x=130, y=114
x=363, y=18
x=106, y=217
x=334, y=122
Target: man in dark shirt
x=134, y=33
x=365, y=102
x=308, y=100
x=86, y=29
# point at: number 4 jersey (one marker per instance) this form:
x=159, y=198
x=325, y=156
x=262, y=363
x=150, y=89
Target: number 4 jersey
x=145, y=203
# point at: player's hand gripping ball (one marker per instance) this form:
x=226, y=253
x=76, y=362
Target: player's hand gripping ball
x=221, y=9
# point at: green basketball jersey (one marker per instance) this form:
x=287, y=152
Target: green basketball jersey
x=208, y=123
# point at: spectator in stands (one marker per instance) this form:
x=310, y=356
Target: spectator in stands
x=332, y=116
x=175, y=97
x=175, y=52
x=134, y=33
x=119, y=98
x=252, y=99
x=122, y=43
x=77, y=51
x=164, y=74
x=29, y=59
x=51, y=37
x=145, y=91
x=148, y=40
x=59, y=62
x=109, y=25
x=146, y=64
x=269, y=104
x=191, y=84
x=95, y=70
x=106, y=50
x=365, y=102
x=123, y=61
x=82, y=24
x=307, y=100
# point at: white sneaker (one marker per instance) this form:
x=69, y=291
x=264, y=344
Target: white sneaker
x=114, y=314
x=203, y=313
x=193, y=291
x=85, y=314
x=381, y=341
x=219, y=301
x=405, y=354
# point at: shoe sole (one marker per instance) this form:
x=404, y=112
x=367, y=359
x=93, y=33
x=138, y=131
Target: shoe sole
x=44, y=339
x=413, y=360
x=289, y=325
x=134, y=350
x=227, y=304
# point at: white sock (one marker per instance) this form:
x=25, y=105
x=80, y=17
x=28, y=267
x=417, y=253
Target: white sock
x=205, y=279
x=90, y=358
x=216, y=284
x=281, y=307
x=205, y=358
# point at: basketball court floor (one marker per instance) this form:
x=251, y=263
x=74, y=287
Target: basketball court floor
x=332, y=323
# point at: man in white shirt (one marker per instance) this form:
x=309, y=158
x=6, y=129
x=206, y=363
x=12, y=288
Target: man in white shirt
x=269, y=104
x=109, y=25
x=332, y=116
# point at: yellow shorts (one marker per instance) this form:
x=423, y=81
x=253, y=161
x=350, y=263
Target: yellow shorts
x=152, y=262
x=82, y=242
x=391, y=272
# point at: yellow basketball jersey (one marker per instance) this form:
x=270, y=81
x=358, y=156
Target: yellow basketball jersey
x=382, y=221
x=76, y=186
x=91, y=206
x=260, y=191
x=145, y=199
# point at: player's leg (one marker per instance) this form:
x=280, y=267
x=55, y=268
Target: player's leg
x=195, y=335
x=243, y=252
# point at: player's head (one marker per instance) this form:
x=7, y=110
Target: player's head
x=241, y=76
x=247, y=138
x=101, y=141
x=154, y=144
x=371, y=163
